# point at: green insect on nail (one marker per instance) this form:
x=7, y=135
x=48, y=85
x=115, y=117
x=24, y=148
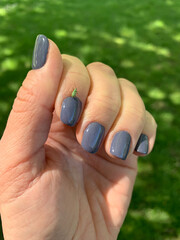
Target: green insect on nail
x=74, y=92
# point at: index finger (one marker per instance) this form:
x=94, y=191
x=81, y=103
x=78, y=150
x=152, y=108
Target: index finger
x=73, y=90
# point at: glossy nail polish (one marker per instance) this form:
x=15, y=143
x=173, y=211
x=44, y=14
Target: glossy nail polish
x=120, y=144
x=40, y=51
x=142, y=145
x=71, y=110
x=92, y=137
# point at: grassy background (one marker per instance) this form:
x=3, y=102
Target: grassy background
x=140, y=40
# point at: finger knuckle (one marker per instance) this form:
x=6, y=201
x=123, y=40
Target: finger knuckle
x=113, y=104
x=101, y=66
x=152, y=119
x=69, y=61
x=128, y=83
x=77, y=75
x=25, y=94
x=70, y=58
x=25, y=97
x=136, y=111
x=108, y=105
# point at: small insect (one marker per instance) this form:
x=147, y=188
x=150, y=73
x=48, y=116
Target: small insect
x=74, y=92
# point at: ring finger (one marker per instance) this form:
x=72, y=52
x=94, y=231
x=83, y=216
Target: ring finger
x=125, y=132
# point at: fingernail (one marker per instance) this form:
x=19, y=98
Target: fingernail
x=70, y=110
x=120, y=144
x=40, y=51
x=142, y=145
x=92, y=137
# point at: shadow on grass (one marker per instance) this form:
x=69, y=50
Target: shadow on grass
x=140, y=41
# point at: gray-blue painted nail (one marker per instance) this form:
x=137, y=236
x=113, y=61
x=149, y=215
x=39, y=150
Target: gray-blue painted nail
x=142, y=145
x=71, y=110
x=92, y=137
x=120, y=144
x=40, y=51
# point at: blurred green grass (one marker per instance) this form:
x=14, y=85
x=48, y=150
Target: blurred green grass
x=140, y=40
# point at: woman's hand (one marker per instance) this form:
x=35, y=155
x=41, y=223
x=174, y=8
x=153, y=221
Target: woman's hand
x=72, y=181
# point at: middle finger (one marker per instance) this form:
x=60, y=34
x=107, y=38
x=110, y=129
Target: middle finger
x=101, y=109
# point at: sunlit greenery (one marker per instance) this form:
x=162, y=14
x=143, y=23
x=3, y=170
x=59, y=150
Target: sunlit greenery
x=140, y=40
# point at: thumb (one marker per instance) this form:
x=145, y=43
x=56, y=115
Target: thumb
x=31, y=115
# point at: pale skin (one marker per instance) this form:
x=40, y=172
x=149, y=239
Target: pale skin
x=51, y=188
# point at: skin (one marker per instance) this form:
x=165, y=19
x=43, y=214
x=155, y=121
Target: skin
x=50, y=187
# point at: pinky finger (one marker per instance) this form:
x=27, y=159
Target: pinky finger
x=147, y=139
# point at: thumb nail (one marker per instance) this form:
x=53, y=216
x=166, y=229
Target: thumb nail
x=40, y=51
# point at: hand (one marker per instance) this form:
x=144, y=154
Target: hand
x=55, y=182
